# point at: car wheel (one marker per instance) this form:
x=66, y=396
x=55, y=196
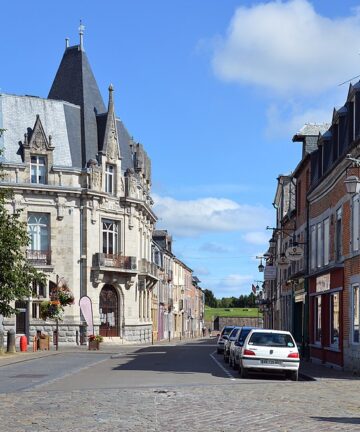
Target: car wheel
x=243, y=372
x=294, y=376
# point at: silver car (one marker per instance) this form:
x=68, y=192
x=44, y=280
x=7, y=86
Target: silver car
x=236, y=345
x=232, y=337
x=223, y=336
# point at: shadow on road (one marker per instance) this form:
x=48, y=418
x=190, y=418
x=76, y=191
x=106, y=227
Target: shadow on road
x=185, y=358
x=348, y=420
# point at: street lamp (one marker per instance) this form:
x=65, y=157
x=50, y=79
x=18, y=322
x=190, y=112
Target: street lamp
x=261, y=266
x=352, y=182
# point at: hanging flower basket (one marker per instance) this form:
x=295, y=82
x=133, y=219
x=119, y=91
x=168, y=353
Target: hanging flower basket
x=51, y=310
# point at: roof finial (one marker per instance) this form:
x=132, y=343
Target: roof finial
x=67, y=40
x=81, y=33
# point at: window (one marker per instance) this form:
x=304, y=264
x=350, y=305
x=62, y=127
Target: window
x=326, y=241
x=318, y=319
x=338, y=233
x=109, y=179
x=319, y=245
x=334, y=320
x=356, y=314
x=313, y=246
x=38, y=290
x=38, y=229
x=38, y=169
x=355, y=223
x=110, y=236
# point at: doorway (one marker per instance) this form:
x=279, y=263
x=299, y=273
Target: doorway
x=109, y=311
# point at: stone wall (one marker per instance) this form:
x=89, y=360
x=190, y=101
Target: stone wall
x=220, y=322
x=138, y=333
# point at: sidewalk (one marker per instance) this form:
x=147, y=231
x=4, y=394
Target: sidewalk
x=314, y=372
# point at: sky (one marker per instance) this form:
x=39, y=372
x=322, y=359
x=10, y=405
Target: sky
x=214, y=90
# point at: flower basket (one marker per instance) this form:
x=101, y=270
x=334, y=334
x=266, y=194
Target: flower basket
x=50, y=310
x=94, y=342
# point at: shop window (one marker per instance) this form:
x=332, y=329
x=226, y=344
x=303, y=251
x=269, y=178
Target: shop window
x=317, y=319
x=334, y=320
x=356, y=314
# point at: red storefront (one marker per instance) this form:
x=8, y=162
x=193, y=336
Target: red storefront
x=326, y=317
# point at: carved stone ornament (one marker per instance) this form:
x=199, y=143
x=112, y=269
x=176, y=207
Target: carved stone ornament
x=95, y=178
x=38, y=141
x=60, y=207
x=112, y=149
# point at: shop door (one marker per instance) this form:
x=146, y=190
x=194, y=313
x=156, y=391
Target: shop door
x=109, y=312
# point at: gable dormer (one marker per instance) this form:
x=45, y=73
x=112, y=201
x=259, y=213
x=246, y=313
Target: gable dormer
x=38, y=153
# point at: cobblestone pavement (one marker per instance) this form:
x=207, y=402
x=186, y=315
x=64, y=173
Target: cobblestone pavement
x=222, y=404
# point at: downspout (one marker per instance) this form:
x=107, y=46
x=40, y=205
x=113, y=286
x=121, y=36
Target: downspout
x=305, y=341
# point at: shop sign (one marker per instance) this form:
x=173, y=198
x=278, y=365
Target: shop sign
x=323, y=283
x=282, y=262
x=294, y=253
x=270, y=272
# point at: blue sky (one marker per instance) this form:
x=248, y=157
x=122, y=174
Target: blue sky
x=214, y=90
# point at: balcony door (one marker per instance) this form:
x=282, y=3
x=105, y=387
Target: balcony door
x=109, y=311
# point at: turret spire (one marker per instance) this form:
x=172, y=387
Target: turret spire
x=81, y=34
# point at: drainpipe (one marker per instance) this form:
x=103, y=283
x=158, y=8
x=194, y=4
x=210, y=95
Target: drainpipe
x=305, y=341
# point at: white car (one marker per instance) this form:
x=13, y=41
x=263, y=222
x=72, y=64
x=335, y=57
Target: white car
x=269, y=351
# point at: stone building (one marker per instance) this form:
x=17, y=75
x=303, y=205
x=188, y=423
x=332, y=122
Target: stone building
x=84, y=189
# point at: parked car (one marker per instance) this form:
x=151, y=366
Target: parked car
x=236, y=345
x=232, y=336
x=223, y=336
x=269, y=351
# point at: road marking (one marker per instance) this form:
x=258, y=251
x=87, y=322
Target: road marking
x=229, y=375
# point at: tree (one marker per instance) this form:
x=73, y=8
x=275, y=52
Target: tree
x=16, y=274
x=210, y=299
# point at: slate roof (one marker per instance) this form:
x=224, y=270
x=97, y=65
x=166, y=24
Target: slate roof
x=59, y=119
x=311, y=129
x=75, y=83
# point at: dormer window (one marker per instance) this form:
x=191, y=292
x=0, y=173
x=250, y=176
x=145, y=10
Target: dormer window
x=38, y=169
x=109, y=178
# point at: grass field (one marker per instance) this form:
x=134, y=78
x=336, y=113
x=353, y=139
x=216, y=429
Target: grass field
x=230, y=312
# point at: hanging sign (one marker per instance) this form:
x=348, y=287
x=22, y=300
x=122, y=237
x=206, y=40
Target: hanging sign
x=282, y=262
x=270, y=272
x=294, y=253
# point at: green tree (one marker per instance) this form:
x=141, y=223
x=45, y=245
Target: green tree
x=210, y=299
x=16, y=273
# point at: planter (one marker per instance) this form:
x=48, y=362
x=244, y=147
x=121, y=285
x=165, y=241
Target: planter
x=44, y=343
x=94, y=345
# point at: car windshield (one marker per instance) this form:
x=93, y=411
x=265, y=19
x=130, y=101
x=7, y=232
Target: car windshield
x=227, y=330
x=282, y=340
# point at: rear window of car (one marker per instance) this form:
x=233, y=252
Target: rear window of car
x=243, y=334
x=234, y=333
x=227, y=330
x=282, y=340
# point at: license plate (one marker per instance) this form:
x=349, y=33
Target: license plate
x=277, y=362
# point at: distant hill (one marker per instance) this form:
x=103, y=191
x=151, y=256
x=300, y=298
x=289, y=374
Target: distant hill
x=231, y=312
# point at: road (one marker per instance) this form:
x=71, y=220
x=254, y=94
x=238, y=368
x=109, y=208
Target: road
x=178, y=387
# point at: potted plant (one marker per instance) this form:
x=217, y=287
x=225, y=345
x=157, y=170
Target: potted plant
x=94, y=342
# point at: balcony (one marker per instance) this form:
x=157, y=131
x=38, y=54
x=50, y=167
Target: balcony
x=38, y=257
x=149, y=268
x=169, y=276
x=114, y=261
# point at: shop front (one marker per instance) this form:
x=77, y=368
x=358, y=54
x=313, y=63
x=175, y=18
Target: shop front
x=325, y=326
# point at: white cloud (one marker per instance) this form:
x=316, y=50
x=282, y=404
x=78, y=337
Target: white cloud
x=256, y=237
x=209, y=215
x=288, y=47
x=233, y=285
x=214, y=248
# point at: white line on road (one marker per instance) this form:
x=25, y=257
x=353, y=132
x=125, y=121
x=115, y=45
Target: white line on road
x=230, y=375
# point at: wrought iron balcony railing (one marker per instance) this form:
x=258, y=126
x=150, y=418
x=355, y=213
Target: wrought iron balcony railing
x=38, y=257
x=115, y=261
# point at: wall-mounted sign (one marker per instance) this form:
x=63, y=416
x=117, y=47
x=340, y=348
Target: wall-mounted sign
x=323, y=283
x=270, y=272
x=294, y=253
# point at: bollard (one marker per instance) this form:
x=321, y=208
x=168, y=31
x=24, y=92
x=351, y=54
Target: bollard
x=1, y=342
x=11, y=341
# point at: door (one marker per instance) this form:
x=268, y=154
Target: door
x=109, y=312
x=21, y=317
